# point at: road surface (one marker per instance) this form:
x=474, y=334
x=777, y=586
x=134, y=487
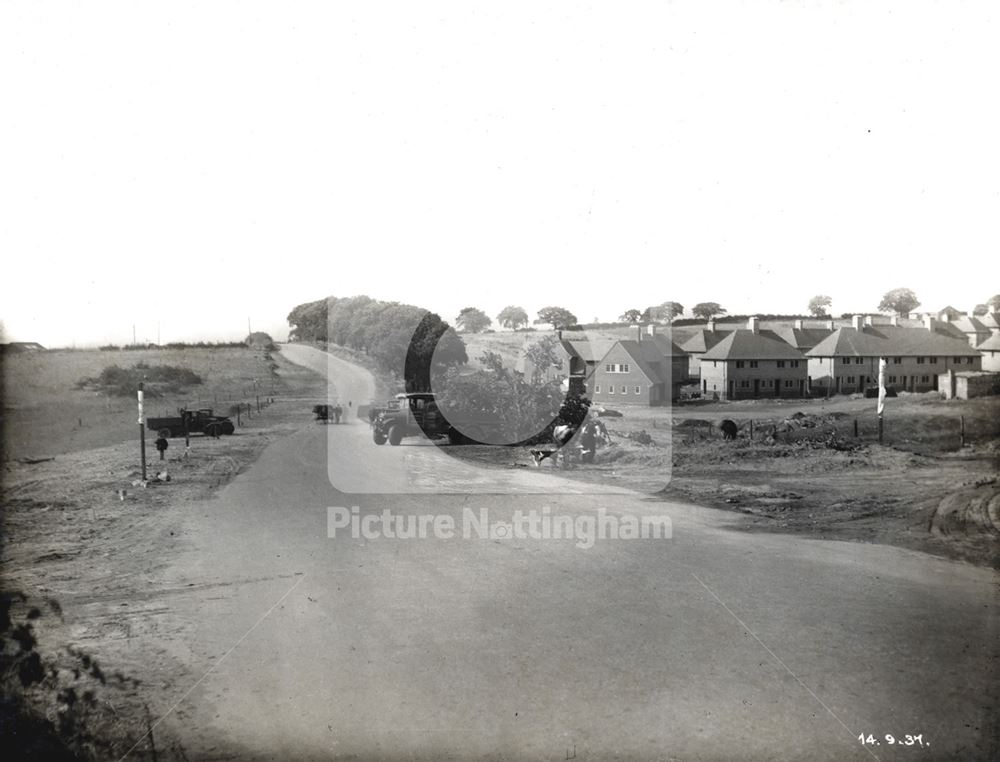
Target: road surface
x=713, y=644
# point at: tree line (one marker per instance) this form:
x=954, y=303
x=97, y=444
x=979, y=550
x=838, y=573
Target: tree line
x=401, y=339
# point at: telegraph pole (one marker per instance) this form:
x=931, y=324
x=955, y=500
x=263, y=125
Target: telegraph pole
x=142, y=433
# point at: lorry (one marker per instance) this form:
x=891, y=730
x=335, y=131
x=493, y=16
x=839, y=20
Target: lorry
x=417, y=413
x=201, y=421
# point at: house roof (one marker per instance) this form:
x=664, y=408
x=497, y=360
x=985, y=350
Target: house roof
x=588, y=350
x=968, y=324
x=991, y=344
x=886, y=340
x=666, y=347
x=991, y=320
x=800, y=338
x=744, y=344
x=647, y=357
x=703, y=340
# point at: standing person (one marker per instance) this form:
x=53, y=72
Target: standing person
x=336, y=413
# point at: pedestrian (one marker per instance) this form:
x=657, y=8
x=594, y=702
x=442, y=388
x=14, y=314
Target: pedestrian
x=162, y=445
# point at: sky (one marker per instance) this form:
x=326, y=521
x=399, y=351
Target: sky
x=186, y=167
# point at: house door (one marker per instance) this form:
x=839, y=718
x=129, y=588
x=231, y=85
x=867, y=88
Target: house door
x=756, y=387
x=777, y=387
x=732, y=385
x=861, y=382
x=704, y=387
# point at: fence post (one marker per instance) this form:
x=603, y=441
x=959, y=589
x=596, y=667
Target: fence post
x=855, y=428
x=751, y=428
x=961, y=423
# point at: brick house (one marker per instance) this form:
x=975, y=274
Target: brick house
x=748, y=364
x=647, y=370
x=847, y=361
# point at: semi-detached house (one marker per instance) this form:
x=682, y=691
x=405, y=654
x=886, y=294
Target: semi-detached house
x=847, y=361
x=748, y=364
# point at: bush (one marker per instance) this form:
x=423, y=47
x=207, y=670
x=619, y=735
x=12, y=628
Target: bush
x=158, y=379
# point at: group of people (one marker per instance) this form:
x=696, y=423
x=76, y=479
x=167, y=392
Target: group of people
x=589, y=437
x=324, y=412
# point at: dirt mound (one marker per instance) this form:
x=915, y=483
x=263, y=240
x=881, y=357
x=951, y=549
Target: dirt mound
x=972, y=510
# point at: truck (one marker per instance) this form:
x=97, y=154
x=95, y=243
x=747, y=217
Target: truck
x=417, y=413
x=201, y=421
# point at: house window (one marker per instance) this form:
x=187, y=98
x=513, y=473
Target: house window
x=897, y=360
x=892, y=379
x=624, y=389
x=638, y=390
x=850, y=379
x=715, y=363
x=969, y=360
x=611, y=388
x=781, y=363
x=625, y=368
x=925, y=379
x=794, y=363
x=933, y=361
x=920, y=360
x=739, y=363
x=744, y=384
x=859, y=360
x=766, y=383
x=789, y=382
x=847, y=361
x=597, y=389
x=753, y=363
x=957, y=360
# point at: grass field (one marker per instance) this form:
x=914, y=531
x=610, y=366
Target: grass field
x=45, y=414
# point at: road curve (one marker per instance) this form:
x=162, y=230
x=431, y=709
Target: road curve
x=714, y=644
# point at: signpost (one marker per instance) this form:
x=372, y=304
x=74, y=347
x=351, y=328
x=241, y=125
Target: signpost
x=142, y=433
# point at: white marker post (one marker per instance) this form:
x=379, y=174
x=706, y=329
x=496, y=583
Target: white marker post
x=881, y=395
x=142, y=434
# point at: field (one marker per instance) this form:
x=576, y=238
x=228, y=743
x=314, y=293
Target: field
x=71, y=541
x=805, y=472
x=45, y=414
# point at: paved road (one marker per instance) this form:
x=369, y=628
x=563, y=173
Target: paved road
x=715, y=644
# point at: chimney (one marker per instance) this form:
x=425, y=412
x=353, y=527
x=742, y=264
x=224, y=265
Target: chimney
x=651, y=329
x=710, y=326
x=638, y=333
x=798, y=324
x=858, y=322
x=754, y=324
x=929, y=322
x=894, y=320
x=830, y=326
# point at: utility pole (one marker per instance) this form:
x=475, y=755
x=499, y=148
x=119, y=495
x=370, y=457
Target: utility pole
x=142, y=433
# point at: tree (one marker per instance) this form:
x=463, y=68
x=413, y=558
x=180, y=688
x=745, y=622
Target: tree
x=819, y=305
x=663, y=313
x=707, y=310
x=472, y=320
x=899, y=300
x=630, y=316
x=993, y=303
x=513, y=317
x=542, y=355
x=980, y=309
x=558, y=317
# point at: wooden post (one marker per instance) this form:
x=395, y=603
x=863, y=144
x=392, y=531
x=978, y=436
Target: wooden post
x=961, y=423
x=751, y=428
x=855, y=428
x=880, y=428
